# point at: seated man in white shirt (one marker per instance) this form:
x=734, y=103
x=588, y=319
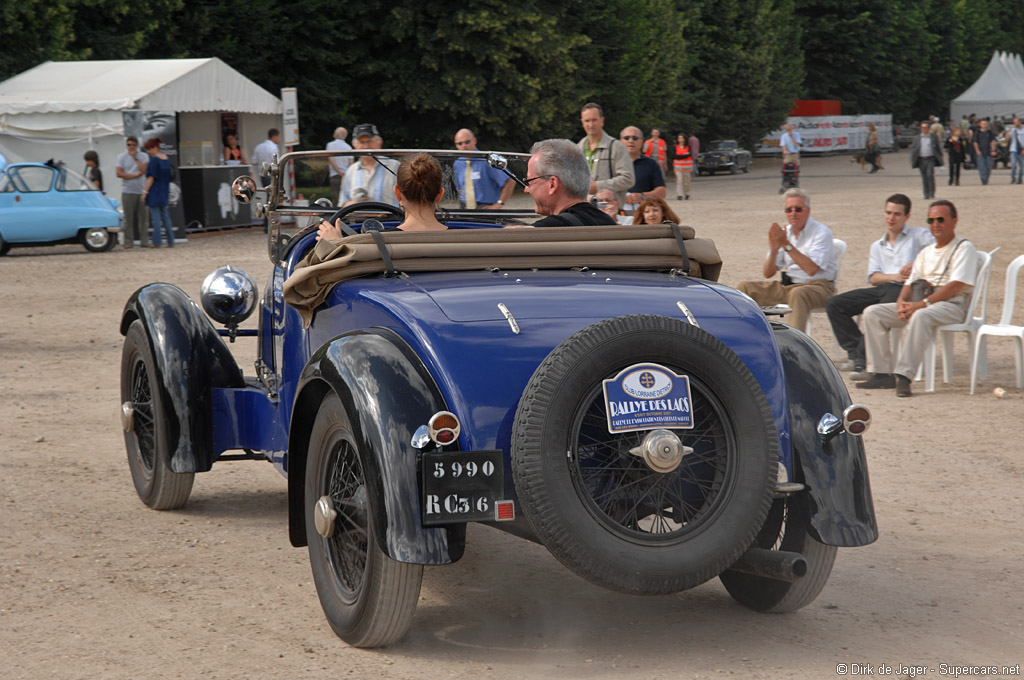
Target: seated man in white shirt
x=950, y=264
x=369, y=176
x=889, y=264
x=802, y=251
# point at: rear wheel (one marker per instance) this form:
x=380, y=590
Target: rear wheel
x=785, y=529
x=97, y=239
x=368, y=598
x=609, y=514
x=147, y=424
x=4, y=246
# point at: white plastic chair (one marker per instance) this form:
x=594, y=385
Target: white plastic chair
x=838, y=253
x=1004, y=328
x=974, y=320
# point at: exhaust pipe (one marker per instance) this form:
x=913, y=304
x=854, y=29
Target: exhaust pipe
x=780, y=565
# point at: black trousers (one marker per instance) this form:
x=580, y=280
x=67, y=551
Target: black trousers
x=843, y=307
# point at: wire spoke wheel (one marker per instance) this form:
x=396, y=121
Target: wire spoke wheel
x=368, y=598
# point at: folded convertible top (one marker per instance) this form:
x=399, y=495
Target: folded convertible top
x=643, y=247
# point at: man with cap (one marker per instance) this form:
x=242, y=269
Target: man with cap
x=479, y=185
x=338, y=164
x=369, y=179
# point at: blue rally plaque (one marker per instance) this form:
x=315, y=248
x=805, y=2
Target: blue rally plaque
x=646, y=397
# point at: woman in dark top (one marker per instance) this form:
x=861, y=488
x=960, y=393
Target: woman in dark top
x=92, y=169
x=232, y=151
x=157, y=192
x=956, y=146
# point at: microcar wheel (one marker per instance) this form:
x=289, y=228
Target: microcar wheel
x=368, y=598
x=785, y=529
x=4, y=246
x=619, y=519
x=146, y=423
x=97, y=239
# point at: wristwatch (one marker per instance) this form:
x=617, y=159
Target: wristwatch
x=788, y=247
x=927, y=302
x=500, y=202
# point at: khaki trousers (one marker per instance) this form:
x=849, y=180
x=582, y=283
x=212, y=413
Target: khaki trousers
x=683, y=183
x=879, y=319
x=802, y=297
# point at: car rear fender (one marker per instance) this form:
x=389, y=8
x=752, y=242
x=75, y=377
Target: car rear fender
x=191, y=359
x=835, y=472
x=388, y=393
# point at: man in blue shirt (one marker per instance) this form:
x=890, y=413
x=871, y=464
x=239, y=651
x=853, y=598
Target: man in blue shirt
x=479, y=185
x=790, y=143
x=648, y=181
x=889, y=264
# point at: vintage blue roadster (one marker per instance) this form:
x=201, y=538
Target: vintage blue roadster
x=589, y=388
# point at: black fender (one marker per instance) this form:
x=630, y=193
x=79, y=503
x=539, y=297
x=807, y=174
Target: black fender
x=834, y=472
x=191, y=359
x=388, y=393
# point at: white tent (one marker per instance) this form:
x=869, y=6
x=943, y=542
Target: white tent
x=999, y=92
x=62, y=109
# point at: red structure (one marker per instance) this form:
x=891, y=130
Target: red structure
x=816, y=107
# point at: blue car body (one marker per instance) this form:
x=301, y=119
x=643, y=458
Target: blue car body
x=44, y=204
x=395, y=349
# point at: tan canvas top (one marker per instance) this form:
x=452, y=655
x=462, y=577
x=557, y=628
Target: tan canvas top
x=644, y=247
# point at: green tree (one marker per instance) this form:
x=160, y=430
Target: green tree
x=32, y=32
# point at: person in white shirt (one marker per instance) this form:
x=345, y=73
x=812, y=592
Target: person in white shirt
x=338, y=164
x=369, y=179
x=131, y=167
x=802, y=251
x=265, y=151
x=950, y=264
x=889, y=264
x=790, y=143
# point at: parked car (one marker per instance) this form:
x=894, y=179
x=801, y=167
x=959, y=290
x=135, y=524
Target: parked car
x=723, y=155
x=651, y=428
x=48, y=203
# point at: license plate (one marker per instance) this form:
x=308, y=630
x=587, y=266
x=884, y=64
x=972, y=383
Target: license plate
x=461, y=486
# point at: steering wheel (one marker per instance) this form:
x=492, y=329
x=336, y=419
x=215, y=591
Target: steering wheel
x=341, y=213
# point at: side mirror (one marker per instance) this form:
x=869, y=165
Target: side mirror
x=243, y=189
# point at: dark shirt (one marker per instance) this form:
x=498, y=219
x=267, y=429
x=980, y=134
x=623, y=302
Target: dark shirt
x=983, y=138
x=648, y=175
x=95, y=176
x=160, y=170
x=587, y=214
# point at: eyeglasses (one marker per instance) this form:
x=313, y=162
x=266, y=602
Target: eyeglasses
x=630, y=137
x=132, y=144
x=940, y=220
x=795, y=208
x=534, y=179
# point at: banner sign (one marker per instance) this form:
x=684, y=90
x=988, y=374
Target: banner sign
x=821, y=134
x=290, y=117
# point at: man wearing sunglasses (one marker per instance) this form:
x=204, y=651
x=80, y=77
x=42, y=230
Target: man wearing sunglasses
x=131, y=168
x=558, y=180
x=950, y=265
x=802, y=251
x=648, y=178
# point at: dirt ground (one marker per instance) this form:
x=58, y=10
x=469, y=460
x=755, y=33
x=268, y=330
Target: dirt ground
x=95, y=585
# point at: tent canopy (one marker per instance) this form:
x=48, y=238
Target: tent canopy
x=999, y=92
x=182, y=85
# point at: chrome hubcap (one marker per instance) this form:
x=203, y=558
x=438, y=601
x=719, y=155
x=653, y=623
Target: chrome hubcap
x=324, y=515
x=127, y=416
x=661, y=450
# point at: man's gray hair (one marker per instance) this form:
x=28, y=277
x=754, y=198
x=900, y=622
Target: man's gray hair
x=797, y=192
x=565, y=160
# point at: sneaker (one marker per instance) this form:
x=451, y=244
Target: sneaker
x=687, y=197
x=903, y=386
x=858, y=374
x=679, y=198
x=879, y=381
x=845, y=365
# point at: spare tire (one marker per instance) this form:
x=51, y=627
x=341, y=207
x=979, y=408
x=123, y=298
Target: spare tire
x=605, y=512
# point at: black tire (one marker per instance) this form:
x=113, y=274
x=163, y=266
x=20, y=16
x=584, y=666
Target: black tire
x=146, y=441
x=97, y=239
x=785, y=529
x=732, y=169
x=746, y=168
x=601, y=510
x=368, y=598
x=5, y=247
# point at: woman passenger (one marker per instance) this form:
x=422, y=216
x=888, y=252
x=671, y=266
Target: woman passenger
x=418, y=191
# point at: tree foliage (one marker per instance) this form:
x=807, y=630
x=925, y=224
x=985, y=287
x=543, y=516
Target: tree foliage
x=421, y=69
